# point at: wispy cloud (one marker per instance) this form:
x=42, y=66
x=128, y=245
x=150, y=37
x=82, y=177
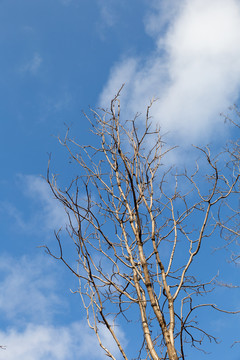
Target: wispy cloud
x=109, y=15
x=58, y=104
x=32, y=66
x=38, y=342
x=48, y=213
x=29, y=289
x=70, y=342
x=29, y=301
x=194, y=71
x=42, y=213
x=107, y=12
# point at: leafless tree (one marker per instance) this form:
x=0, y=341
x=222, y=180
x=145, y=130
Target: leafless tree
x=138, y=227
x=230, y=224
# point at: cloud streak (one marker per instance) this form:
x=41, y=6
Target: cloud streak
x=33, y=65
x=70, y=342
x=47, y=214
x=194, y=70
x=29, y=289
x=30, y=303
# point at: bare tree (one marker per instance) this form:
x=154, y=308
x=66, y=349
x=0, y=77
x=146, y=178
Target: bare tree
x=138, y=227
x=230, y=224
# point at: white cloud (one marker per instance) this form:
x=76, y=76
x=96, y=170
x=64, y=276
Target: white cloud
x=120, y=73
x=28, y=289
x=194, y=70
x=160, y=14
x=42, y=213
x=39, y=342
x=49, y=214
x=33, y=65
x=30, y=303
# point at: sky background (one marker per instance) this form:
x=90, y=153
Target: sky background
x=57, y=58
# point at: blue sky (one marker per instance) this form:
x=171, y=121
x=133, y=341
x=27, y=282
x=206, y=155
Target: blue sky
x=57, y=58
